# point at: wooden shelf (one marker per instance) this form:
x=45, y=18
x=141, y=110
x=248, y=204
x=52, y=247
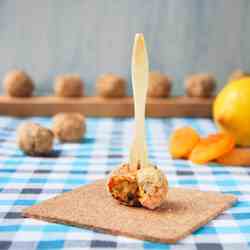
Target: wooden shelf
x=97, y=106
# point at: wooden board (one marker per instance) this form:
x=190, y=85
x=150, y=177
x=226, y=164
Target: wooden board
x=184, y=211
x=97, y=106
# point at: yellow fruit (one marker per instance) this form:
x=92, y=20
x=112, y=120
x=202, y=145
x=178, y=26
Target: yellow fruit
x=231, y=110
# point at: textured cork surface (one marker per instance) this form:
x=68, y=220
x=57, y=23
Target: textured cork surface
x=90, y=206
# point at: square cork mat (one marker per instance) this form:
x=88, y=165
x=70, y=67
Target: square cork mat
x=90, y=206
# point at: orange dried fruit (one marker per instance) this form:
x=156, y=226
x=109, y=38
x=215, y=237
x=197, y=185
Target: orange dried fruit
x=236, y=157
x=182, y=142
x=212, y=147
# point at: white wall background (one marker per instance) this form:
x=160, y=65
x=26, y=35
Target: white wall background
x=95, y=36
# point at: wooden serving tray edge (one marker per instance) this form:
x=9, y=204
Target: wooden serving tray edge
x=105, y=107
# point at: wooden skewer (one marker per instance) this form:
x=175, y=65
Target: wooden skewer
x=151, y=184
x=140, y=71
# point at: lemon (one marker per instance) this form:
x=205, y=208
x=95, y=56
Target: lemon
x=231, y=110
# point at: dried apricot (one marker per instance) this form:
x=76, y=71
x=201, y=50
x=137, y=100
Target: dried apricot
x=212, y=147
x=236, y=157
x=182, y=141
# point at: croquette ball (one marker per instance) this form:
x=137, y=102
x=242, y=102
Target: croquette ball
x=153, y=187
x=69, y=127
x=111, y=85
x=159, y=85
x=238, y=74
x=33, y=139
x=122, y=185
x=200, y=85
x=69, y=85
x=145, y=187
x=17, y=83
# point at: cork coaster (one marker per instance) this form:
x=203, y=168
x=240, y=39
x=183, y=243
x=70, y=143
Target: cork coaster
x=90, y=206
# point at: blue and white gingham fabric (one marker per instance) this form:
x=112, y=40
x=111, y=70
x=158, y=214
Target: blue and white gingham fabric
x=25, y=181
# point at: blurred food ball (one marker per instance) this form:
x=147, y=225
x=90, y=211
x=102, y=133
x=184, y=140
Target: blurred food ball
x=69, y=85
x=17, y=83
x=159, y=85
x=111, y=85
x=238, y=74
x=200, y=85
x=69, y=127
x=34, y=139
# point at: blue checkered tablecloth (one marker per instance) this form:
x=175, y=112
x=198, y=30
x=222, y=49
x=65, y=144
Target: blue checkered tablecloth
x=25, y=181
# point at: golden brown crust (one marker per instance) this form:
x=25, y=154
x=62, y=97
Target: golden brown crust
x=69, y=127
x=18, y=84
x=34, y=139
x=69, y=85
x=111, y=85
x=159, y=85
x=200, y=85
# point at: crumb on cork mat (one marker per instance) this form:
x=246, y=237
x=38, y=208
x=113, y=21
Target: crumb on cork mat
x=90, y=206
